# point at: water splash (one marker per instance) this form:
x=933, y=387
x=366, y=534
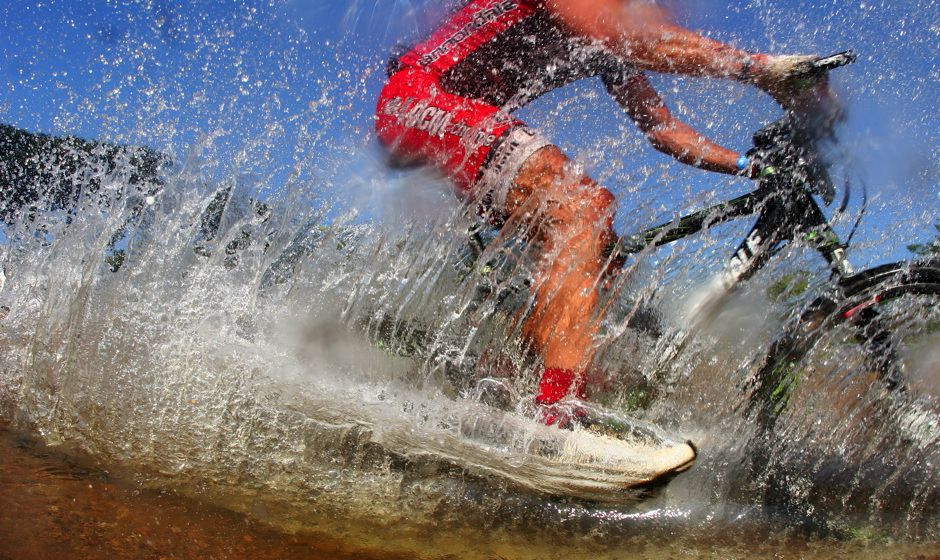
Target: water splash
x=262, y=346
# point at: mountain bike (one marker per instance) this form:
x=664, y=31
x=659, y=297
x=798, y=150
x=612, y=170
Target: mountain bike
x=879, y=306
x=793, y=174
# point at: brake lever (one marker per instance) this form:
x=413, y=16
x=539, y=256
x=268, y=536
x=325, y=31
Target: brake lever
x=834, y=61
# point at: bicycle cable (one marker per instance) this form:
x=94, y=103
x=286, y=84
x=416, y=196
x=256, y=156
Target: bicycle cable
x=845, y=197
x=861, y=213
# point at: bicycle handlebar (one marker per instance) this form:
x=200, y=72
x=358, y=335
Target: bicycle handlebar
x=790, y=156
x=789, y=145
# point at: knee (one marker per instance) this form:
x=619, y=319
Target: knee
x=586, y=206
x=551, y=172
x=570, y=202
x=547, y=167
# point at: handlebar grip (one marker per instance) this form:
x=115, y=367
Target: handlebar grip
x=824, y=64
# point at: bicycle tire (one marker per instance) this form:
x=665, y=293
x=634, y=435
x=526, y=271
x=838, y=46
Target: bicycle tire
x=858, y=302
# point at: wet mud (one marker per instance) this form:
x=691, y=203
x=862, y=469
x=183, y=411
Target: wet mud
x=53, y=508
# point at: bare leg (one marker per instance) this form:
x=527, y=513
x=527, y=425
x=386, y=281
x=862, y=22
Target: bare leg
x=570, y=216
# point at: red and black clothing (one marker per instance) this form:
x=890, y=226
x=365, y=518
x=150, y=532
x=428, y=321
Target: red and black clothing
x=448, y=100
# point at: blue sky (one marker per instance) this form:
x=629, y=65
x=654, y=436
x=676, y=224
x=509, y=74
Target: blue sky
x=283, y=90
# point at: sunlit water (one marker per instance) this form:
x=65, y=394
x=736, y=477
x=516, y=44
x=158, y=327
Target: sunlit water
x=314, y=362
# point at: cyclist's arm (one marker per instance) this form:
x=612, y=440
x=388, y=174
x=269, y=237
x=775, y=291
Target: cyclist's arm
x=666, y=133
x=641, y=33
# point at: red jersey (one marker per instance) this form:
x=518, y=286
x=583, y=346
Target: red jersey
x=448, y=99
x=508, y=52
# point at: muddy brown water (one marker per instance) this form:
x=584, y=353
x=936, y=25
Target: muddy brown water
x=53, y=507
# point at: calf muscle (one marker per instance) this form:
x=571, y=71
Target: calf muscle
x=571, y=218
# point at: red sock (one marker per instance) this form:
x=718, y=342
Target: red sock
x=556, y=383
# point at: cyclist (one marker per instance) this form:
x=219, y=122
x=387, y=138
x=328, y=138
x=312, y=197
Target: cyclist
x=448, y=103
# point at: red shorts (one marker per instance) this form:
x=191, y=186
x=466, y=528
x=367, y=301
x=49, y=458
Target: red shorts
x=474, y=143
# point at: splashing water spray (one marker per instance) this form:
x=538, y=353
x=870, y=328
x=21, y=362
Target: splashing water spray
x=257, y=311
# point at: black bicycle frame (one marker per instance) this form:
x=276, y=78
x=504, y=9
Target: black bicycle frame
x=784, y=214
x=784, y=199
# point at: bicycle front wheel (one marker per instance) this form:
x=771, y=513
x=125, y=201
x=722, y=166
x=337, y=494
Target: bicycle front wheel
x=879, y=335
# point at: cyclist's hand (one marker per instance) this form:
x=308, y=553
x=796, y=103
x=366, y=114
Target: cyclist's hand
x=792, y=82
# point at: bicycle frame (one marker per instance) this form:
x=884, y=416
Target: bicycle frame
x=784, y=214
x=786, y=208
x=784, y=201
